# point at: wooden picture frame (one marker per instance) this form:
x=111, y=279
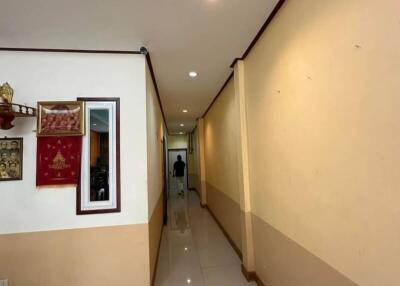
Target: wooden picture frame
x=11, y=159
x=60, y=118
x=85, y=202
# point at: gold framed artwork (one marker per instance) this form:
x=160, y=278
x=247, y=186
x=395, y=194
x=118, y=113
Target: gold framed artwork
x=11, y=154
x=60, y=118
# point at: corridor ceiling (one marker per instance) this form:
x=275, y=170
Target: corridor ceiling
x=181, y=35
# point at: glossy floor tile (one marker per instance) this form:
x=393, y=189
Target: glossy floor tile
x=194, y=251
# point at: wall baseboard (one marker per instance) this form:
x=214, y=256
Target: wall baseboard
x=252, y=276
x=258, y=280
x=194, y=190
x=249, y=275
x=237, y=250
x=158, y=255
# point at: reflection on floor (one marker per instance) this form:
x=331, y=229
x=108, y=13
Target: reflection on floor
x=194, y=251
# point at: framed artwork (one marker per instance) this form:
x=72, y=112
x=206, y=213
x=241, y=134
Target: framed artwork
x=60, y=118
x=98, y=189
x=11, y=154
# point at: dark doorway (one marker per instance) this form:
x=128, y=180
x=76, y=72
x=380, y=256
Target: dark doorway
x=172, y=157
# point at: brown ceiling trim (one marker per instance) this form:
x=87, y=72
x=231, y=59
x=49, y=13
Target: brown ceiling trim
x=69, y=51
x=142, y=51
x=218, y=94
x=153, y=77
x=278, y=6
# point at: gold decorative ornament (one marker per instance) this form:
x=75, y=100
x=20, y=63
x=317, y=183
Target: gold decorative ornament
x=6, y=93
x=9, y=110
x=59, y=162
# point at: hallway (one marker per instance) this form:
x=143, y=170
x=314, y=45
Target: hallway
x=193, y=248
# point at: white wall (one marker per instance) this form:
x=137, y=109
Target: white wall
x=66, y=76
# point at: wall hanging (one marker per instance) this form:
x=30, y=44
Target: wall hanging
x=60, y=126
x=9, y=110
x=58, y=160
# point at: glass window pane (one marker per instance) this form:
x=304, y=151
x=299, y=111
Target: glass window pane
x=99, y=155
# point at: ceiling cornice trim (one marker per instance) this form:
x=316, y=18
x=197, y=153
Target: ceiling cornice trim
x=69, y=51
x=278, y=6
x=144, y=52
x=153, y=78
x=218, y=94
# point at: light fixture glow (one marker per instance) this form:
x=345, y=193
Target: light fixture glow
x=94, y=124
x=185, y=111
x=189, y=281
x=193, y=74
x=182, y=124
x=181, y=133
x=186, y=249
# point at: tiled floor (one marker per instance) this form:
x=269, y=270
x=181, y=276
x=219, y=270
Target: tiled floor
x=194, y=251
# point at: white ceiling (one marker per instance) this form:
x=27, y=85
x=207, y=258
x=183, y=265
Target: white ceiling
x=181, y=35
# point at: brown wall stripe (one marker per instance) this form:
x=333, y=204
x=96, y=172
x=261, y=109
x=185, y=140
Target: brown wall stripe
x=278, y=6
x=146, y=53
x=153, y=77
x=218, y=94
x=68, y=51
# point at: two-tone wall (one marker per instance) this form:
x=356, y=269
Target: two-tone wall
x=193, y=161
x=321, y=103
x=156, y=135
x=42, y=240
x=221, y=136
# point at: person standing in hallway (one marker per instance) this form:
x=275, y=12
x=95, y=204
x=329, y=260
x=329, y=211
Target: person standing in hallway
x=179, y=174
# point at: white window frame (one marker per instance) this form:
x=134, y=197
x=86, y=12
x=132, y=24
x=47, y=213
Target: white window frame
x=85, y=205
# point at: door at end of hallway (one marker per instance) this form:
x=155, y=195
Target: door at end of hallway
x=173, y=181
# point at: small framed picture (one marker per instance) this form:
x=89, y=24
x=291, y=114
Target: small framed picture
x=11, y=154
x=60, y=118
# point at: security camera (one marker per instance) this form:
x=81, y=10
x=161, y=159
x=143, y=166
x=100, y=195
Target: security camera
x=144, y=50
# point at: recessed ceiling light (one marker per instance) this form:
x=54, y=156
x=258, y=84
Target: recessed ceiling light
x=192, y=74
x=182, y=124
x=181, y=133
x=189, y=281
x=185, y=111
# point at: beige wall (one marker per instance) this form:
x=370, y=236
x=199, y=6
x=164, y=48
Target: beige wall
x=155, y=232
x=177, y=141
x=115, y=255
x=193, y=162
x=322, y=90
x=220, y=140
x=221, y=136
x=156, y=131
